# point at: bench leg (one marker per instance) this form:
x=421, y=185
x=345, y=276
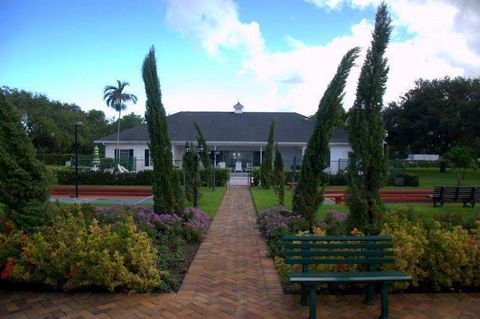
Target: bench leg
x=313, y=302
x=369, y=295
x=384, y=293
x=304, y=296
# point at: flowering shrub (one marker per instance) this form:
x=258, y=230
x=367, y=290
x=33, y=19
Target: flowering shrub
x=193, y=224
x=73, y=254
x=335, y=223
x=275, y=222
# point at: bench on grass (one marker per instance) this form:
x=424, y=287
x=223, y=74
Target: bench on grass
x=467, y=194
x=369, y=252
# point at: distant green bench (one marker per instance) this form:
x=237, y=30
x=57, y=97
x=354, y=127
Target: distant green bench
x=467, y=194
x=368, y=251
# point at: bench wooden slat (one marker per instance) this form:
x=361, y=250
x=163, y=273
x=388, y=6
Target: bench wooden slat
x=330, y=261
x=364, y=276
x=308, y=253
x=339, y=246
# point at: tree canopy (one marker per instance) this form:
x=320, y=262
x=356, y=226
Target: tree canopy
x=435, y=115
x=50, y=124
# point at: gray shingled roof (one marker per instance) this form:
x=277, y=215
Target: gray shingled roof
x=230, y=127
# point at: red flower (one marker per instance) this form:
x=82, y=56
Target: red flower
x=8, y=270
x=472, y=242
x=72, y=273
x=341, y=267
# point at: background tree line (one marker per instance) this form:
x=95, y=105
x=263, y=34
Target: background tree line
x=50, y=124
x=434, y=116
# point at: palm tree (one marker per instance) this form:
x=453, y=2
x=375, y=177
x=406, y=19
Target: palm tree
x=116, y=98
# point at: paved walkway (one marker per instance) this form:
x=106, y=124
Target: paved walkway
x=231, y=277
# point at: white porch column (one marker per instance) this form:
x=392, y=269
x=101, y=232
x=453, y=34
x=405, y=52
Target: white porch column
x=303, y=151
x=261, y=157
x=173, y=154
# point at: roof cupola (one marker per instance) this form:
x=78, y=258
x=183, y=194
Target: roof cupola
x=238, y=108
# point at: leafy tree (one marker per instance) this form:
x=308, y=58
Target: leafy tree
x=131, y=120
x=460, y=157
x=204, y=156
x=116, y=98
x=279, y=176
x=189, y=171
x=367, y=163
x=23, y=186
x=308, y=195
x=167, y=191
x=266, y=170
x=434, y=116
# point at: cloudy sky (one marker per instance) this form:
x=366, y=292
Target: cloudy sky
x=270, y=55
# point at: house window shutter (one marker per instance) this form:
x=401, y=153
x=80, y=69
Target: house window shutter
x=147, y=158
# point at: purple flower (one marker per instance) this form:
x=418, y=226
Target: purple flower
x=276, y=218
x=334, y=216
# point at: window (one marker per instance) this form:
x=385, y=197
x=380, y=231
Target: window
x=125, y=155
x=147, y=158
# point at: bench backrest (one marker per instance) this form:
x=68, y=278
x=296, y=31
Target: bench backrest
x=315, y=250
x=455, y=192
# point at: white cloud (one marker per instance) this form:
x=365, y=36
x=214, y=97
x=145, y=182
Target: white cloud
x=296, y=78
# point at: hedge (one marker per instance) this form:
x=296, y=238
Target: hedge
x=88, y=177
x=54, y=159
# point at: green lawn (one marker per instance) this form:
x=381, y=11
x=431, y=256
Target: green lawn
x=430, y=177
x=266, y=198
x=210, y=200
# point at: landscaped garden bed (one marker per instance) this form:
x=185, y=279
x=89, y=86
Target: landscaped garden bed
x=115, y=248
x=439, y=247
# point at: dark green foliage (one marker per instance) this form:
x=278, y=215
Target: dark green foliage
x=167, y=192
x=189, y=171
x=308, y=194
x=50, y=124
x=141, y=178
x=279, y=177
x=204, y=156
x=54, y=159
x=367, y=169
x=266, y=170
x=222, y=175
x=23, y=184
x=435, y=115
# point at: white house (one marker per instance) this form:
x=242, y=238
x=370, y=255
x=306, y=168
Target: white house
x=238, y=138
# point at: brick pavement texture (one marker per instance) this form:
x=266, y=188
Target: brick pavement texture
x=230, y=277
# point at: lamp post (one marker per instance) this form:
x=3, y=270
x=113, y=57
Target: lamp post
x=77, y=124
x=195, y=188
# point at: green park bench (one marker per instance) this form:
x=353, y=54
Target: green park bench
x=369, y=252
x=467, y=194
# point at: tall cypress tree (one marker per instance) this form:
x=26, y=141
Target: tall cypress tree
x=367, y=163
x=167, y=191
x=23, y=186
x=189, y=171
x=204, y=156
x=279, y=176
x=266, y=170
x=308, y=194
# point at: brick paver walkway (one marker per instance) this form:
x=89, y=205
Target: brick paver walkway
x=231, y=277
